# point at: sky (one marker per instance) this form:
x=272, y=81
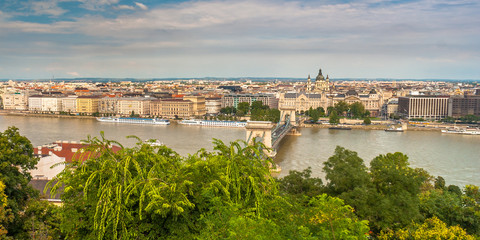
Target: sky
x=424, y=39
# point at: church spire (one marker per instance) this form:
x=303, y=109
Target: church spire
x=309, y=84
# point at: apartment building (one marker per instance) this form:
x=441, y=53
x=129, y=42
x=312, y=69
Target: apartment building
x=232, y=100
x=108, y=105
x=136, y=105
x=463, y=105
x=423, y=106
x=213, y=105
x=199, y=108
x=172, y=108
x=15, y=101
x=69, y=104
x=87, y=104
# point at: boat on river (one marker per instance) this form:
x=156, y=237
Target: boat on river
x=340, y=127
x=463, y=131
x=151, y=121
x=213, y=123
x=394, y=129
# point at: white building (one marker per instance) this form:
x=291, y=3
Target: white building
x=69, y=104
x=51, y=104
x=15, y=101
x=137, y=105
x=213, y=105
x=35, y=103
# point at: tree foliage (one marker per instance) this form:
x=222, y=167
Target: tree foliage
x=432, y=228
x=244, y=107
x=16, y=159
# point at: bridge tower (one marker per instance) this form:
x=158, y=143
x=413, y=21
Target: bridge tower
x=287, y=111
x=259, y=131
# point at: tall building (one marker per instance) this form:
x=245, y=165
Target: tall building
x=322, y=84
x=136, y=105
x=198, y=104
x=15, y=101
x=462, y=105
x=232, y=100
x=304, y=101
x=423, y=106
x=35, y=103
x=213, y=105
x=87, y=104
x=69, y=104
x=172, y=108
x=108, y=105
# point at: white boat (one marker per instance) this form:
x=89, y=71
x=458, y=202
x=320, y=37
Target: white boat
x=153, y=142
x=153, y=121
x=464, y=131
x=394, y=129
x=212, y=123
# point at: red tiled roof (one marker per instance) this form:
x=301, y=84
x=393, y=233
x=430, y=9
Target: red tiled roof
x=68, y=151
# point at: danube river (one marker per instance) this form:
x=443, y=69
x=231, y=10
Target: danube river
x=455, y=157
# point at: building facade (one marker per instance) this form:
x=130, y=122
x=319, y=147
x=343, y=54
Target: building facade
x=87, y=104
x=199, y=108
x=426, y=107
x=172, y=108
x=136, y=105
x=304, y=101
x=69, y=104
x=213, y=105
x=463, y=105
x=35, y=103
x=15, y=101
x=232, y=100
x=108, y=105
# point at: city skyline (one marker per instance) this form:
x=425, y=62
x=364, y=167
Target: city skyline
x=178, y=39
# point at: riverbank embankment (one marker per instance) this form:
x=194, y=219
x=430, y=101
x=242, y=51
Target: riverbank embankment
x=27, y=114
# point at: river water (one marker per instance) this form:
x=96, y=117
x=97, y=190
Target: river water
x=454, y=157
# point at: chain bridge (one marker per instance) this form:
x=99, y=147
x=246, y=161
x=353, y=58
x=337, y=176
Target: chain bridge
x=272, y=134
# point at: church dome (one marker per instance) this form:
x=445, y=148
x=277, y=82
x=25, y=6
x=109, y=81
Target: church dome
x=351, y=92
x=320, y=76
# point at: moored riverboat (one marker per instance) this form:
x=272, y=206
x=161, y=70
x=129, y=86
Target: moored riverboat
x=152, y=121
x=340, y=127
x=463, y=131
x=394, y=129
x=213, y=123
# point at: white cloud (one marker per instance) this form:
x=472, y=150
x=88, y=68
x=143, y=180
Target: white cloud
x=75, y=74
x=263, y=30
x=97, y=4
x=141, y=6
x=47, y=7
x=124, y=7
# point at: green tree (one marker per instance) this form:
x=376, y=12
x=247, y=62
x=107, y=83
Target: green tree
x=398, y=188
x=357, y=110
x=5, y=214
x=273, y=115
x=244, y=107
x=367, y=121
x=321, y=110
x=333, y=118
x=314, y=115
x=149, y=192
x=345, y=171
x=432, y=228
x=258, y=105
x=16, y=159
x=301, y=183
x=42, y=220
x=341, y=107
x=329, y=218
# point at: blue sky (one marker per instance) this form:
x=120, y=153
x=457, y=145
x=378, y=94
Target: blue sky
x=161, y=39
